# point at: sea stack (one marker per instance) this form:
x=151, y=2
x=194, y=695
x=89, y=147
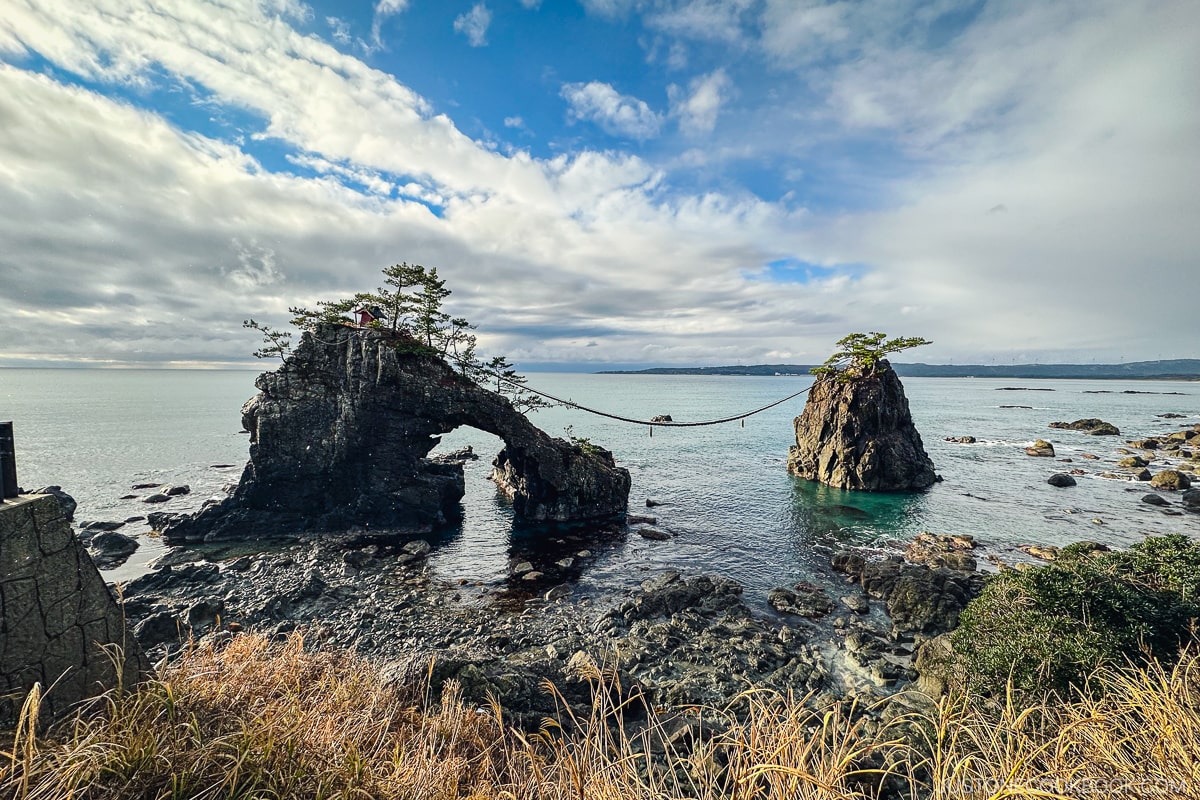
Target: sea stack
x=340, y=436
x=856, y=433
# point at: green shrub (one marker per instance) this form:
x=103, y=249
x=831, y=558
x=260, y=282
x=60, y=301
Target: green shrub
x=1049, y=626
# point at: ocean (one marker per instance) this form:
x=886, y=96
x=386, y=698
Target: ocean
x=724, y=491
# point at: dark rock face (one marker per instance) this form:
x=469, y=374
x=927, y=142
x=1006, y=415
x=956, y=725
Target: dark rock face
x=56, y=614
x=919, y=599
x=339, y=437
x=1096, y=427
x=860, y=435
x=1060, y=479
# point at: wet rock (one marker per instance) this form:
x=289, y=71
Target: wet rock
x=1170, y=479
x=111, y=549
x=1043, y=552
x=654, y=534
x=157, y=497
x=858, y=434
x=1191, y=500
x=1142, y=475
x=856, y=603
x=140, y=486
x=936, y=550
x=1155, y=500
x=1040, y=448
x=1093, y=426
x=460, y=456
x=640, y=519
x=661, y=418
x=176, y=491
x=1170, y=415
x=418, y=547
x=804, y=600
x=1132, y=462
x=1060, y=480
x=961, y=439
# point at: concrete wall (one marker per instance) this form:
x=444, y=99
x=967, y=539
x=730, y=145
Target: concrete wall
x=55, y=613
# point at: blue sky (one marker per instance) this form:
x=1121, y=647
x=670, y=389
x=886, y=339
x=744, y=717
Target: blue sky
x=605, y=182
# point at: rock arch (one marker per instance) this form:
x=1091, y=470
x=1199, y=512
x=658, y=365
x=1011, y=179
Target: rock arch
x=340, y=436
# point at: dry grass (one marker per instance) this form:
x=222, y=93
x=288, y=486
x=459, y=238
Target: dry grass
x=255, y=720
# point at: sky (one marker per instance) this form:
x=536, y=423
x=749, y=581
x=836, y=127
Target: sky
x=605, y=183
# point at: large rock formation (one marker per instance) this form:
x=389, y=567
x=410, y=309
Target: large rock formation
x=858, y=434
x=57, y=616
x=339, y=437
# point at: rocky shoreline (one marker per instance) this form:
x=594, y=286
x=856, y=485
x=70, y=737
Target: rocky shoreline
x=853, y=631
x=675, y=640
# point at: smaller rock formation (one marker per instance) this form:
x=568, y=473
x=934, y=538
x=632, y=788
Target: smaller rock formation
x=1040, y=448
x=805, y=599
x=1061, y=480
x=859, y=434
x=1093, y=426
x=58, y=616
x=919, y=599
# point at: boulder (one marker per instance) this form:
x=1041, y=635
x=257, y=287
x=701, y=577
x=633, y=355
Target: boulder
x=1155, y=500
x=1170, y=479
x=858, y=434
x=1093, y=426
x=1040, y=448
x=340, y=435
x=112, y=549
x=1132, y=462
x=1060, y=480
x=935, y=550
x=805, y=600
x=961, y=439
x=1191, y=500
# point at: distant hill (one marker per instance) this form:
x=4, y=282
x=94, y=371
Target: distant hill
x=1173, y=369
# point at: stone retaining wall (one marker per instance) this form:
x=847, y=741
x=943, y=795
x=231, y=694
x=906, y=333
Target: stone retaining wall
x=56, y=613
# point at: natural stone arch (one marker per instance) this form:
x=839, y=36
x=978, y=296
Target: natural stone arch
x=340, y=436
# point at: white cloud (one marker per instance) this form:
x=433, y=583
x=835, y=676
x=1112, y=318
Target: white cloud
x=615, y=113
x=474, y=24
x=1078, y=121
x=531, y=4
x=703, y=20
x=698, y=107
x=514, y=122
x=339, y=29
x=383, y=10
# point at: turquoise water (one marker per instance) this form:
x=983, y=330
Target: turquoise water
x=726, y=494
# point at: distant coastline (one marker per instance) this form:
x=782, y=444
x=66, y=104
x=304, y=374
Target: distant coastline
x=1186, y=369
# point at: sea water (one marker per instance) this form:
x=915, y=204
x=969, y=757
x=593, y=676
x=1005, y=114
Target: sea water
x=724, y=490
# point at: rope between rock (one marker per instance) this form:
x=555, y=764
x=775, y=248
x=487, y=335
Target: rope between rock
x=572, y=404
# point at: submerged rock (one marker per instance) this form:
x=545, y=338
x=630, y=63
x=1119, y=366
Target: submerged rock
x=1060, y=479
x=1096, y=427
x=1040, y=448
x=859, y=434
x=340, y=433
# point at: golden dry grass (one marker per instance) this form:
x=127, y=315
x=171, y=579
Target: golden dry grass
x=261, y=720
